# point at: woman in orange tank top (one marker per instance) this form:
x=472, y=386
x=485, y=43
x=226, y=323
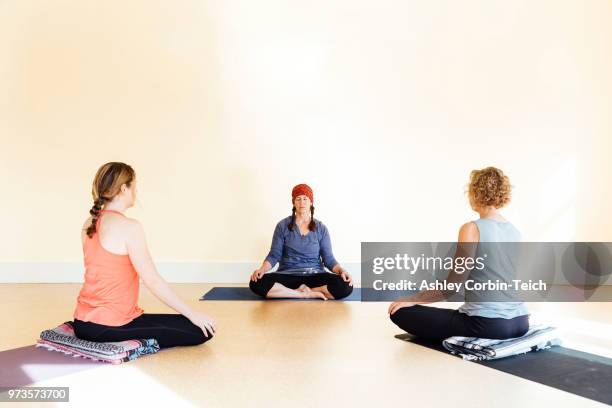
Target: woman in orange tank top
x=116, y=258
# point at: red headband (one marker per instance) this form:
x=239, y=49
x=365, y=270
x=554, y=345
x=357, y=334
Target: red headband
x=302, y=189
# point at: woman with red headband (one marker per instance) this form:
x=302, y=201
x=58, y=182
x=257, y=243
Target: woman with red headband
x=302, y=247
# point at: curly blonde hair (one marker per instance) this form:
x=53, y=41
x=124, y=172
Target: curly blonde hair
x=489, y=187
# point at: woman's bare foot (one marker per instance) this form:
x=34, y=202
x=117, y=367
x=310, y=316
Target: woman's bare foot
x=323, y=290
x=308, y=293
x=313, y=294
x=303, y=288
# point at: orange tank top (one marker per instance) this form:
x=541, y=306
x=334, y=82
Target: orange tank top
x=109, y=295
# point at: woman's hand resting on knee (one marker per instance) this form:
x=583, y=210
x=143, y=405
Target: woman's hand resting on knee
x=339, y=270
x=265, y=267
x=204, y=322
x=257, y=274
x=397, y=305
x=346, y=277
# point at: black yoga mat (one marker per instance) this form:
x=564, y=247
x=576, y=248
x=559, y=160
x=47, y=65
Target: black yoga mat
x=242, y=293
x=577, y=372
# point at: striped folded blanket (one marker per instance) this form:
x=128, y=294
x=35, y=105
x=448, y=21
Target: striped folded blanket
x=473, y=348
x=302, y=271
x=62, y=339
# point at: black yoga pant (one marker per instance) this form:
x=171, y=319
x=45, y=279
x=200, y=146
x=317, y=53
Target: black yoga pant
x=168, y=329
x=438, y=324
x=335, y=285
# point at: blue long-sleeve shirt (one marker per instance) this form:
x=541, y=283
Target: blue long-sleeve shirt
x=292, y=250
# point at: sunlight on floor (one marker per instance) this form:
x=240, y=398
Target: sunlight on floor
x=108, y=384
x=579, y=334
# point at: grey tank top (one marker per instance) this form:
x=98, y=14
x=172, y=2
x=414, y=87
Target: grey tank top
x=499, y=266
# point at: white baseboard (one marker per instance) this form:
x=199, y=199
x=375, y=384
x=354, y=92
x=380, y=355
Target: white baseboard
x=174, y=272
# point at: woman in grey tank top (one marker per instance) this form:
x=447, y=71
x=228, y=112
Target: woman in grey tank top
x=489, y=190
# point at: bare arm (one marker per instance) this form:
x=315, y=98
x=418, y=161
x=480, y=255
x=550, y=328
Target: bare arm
x=468, y=236
x=142, y=261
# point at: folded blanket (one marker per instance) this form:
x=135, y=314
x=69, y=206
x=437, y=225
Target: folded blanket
x=302, y=271
x=62, y=339
x=473, y=348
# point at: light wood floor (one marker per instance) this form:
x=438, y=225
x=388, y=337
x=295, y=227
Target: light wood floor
x=298, y=353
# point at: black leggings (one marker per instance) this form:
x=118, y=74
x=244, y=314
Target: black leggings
x=438, y=324
x=335, y=285
x=168, y=329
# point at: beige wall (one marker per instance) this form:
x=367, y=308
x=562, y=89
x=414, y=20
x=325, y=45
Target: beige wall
x=382, y=106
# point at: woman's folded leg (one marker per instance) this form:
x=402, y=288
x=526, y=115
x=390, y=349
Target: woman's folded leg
x=332, y=285
x=431, y=323
x=169, y=330
x=438, y=324
x=280, y=285
x=263, y=285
